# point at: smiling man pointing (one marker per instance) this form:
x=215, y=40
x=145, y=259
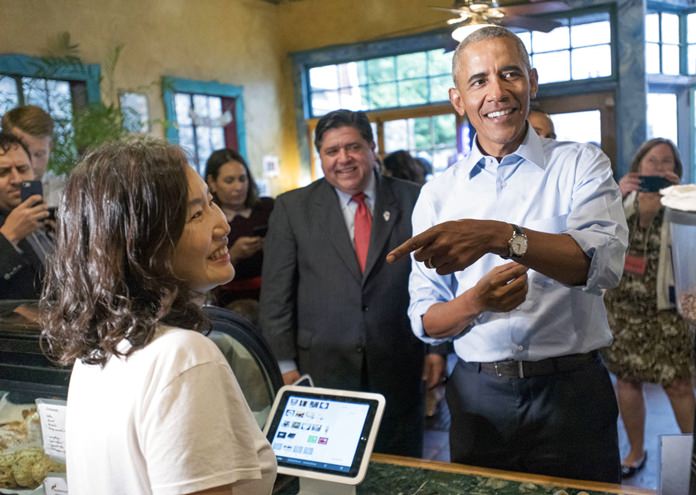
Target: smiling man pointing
x=529, y=392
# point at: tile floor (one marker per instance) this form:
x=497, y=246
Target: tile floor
x=660, y=421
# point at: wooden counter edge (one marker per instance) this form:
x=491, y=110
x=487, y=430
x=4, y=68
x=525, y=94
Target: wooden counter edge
x=509, y=475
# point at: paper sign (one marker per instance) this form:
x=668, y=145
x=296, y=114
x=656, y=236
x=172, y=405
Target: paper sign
x=52, y=414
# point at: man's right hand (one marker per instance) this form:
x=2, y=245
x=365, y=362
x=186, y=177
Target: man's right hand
x=26, y=218
x=291, y=377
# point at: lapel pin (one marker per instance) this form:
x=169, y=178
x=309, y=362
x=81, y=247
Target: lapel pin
x=386, y=216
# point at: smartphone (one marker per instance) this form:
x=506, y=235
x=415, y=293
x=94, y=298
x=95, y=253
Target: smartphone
x=260, y=230
x=652, y=183
x=30, y=188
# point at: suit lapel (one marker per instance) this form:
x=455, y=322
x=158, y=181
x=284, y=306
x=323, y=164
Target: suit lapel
x=384, y=218
x=328, y=212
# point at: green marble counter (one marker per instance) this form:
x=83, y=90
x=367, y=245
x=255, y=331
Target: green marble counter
x=392, y=475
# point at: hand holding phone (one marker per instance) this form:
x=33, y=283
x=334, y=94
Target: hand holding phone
x=260, y=230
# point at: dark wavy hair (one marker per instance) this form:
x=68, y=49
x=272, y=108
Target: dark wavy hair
x=111, y=277
x=343, y=118
x=9, y=141
x=225, y=155
x=402, y=165
x=650, y=144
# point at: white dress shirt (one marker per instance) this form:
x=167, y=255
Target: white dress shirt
x=547, y=186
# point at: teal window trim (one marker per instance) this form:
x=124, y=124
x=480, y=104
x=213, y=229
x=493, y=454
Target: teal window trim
x=171, y=85
x=28, y=66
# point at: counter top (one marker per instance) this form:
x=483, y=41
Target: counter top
x=390, y=475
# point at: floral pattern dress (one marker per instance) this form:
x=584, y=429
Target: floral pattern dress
x=649, y=345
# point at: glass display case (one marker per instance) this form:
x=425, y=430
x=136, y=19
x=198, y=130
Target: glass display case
x=26, y=375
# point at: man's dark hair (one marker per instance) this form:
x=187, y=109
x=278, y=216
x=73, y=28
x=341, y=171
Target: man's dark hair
x=343, y=118
x=225, y=155
x=8, y=141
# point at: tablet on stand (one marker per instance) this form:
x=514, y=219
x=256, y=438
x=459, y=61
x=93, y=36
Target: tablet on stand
x=324, y=436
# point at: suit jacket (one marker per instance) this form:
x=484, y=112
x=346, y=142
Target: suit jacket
x=21, y=274
x=346, y=329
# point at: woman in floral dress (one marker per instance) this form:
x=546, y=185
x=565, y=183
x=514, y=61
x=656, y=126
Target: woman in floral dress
x=651, y=341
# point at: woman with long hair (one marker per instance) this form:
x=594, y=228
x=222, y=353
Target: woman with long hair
x=652, y=343
x=153, y=406
x=235, y=191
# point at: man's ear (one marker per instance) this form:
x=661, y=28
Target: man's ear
x=533, y=83
x=456, y=100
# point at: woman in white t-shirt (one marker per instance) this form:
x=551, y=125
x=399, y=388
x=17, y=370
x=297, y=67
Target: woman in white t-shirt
x=153, y=406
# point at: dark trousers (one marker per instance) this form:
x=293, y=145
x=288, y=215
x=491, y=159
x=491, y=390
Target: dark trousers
x=403, y=434
x=563, y=424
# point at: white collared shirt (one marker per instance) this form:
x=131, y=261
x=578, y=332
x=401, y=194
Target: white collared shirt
x=548, y=186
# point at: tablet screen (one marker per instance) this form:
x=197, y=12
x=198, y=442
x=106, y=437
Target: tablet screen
x=321, y=432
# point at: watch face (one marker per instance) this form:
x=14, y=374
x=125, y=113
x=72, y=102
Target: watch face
x=518, y=245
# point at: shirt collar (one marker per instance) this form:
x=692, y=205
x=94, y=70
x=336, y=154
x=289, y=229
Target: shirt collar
x=531, y=149
x=370, y=191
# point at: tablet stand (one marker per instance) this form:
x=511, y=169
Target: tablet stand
x=309, y=486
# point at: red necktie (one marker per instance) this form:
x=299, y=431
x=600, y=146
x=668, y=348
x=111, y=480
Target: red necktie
x=363, y=225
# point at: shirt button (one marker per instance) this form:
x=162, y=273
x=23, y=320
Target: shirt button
x=365, y=308
x=520, y=348
x=360, y=348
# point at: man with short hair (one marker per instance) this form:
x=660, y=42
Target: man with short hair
x=330, y=306
x=34, y=127
x=542, y=124
x=24, y=245
x=529, y=391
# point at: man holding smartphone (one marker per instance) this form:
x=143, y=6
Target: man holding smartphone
x=24, y=245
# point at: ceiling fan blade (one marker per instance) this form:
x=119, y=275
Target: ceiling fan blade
x=406, y=31
x=541, y=7
x=530, y=23
x=444, y=9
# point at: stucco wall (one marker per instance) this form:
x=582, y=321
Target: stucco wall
x=231, y=41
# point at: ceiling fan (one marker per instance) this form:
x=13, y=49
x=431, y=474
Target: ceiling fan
x=470, y=13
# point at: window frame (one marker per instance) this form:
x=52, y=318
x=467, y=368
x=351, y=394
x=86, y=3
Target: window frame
x=19, y=65
x=172, y=85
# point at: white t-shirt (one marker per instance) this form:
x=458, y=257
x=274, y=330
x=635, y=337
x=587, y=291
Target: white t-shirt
x=171, y=419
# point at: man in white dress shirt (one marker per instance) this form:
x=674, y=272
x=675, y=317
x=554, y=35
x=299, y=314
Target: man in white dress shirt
x=529, y=392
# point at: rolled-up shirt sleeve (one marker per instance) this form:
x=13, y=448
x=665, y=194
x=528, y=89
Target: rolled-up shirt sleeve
x=597, y=221
x=426, y=287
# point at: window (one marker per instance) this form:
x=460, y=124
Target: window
x=58, y=89
x=204, y=116
x=662, y=43
x=691, y=43
x=578, y=49
x=662, y=116
x=433, y=138
x=582, y=127
x=417, y=78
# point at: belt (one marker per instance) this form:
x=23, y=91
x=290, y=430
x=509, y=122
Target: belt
x=526, y=369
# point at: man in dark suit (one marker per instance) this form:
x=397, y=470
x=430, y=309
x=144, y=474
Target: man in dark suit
x=330, y=305
x=23, y=243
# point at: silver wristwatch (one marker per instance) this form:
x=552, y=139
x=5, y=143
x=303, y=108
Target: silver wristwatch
x=517, y=243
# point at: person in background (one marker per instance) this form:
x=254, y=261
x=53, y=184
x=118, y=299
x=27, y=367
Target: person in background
x=24, y=243
x=402, y=165
x=529, y=392
x=542, y=124
x=153, y=406
x=330, y=306
x=235, y=191
x=652, y=343
x=34, y=126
